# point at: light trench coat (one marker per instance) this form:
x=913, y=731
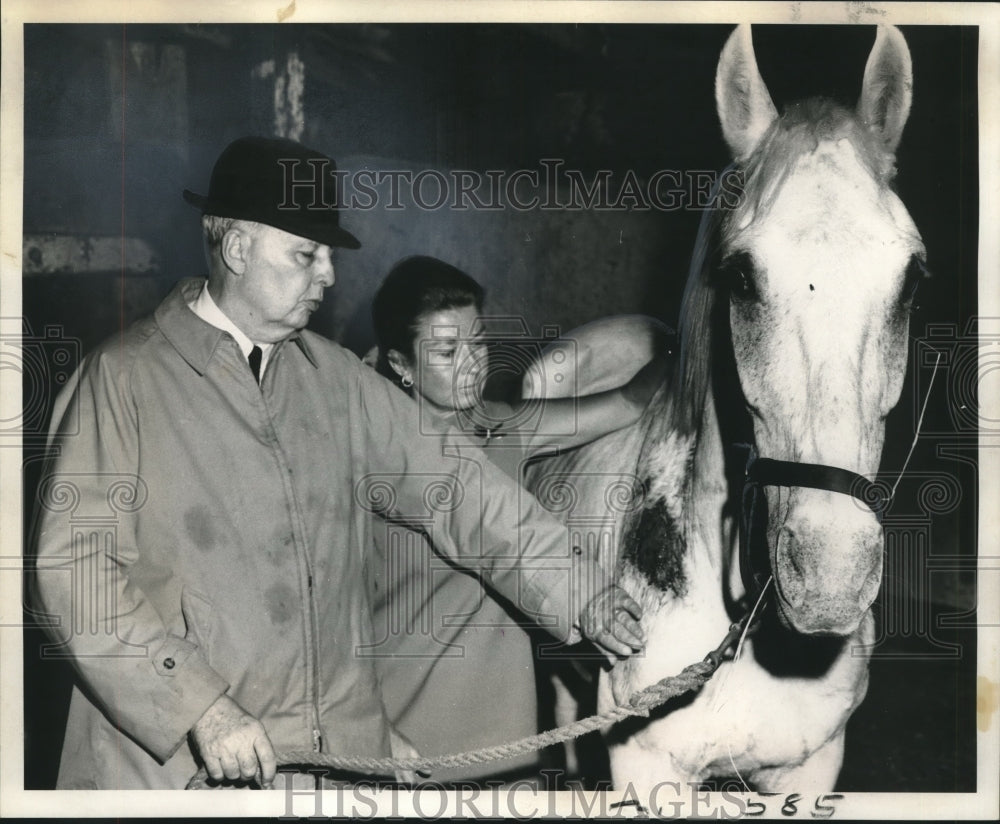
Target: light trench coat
x=201, y=535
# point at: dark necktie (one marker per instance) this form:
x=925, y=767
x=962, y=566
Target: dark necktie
x=254, y=358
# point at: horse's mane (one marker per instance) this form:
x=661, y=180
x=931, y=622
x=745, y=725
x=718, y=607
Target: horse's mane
x=798, y=132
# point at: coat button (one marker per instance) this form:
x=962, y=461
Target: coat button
x=577, y=551
x=168, y=663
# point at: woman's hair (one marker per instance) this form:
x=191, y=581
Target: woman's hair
x=414, y=287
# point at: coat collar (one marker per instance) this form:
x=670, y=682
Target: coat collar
x=195, y=340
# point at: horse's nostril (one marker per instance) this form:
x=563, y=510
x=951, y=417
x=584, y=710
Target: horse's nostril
x=788, y=552
x=869, y=591
x=789, y=549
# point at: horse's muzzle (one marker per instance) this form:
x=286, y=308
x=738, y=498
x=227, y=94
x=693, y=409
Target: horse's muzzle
x=827, y=577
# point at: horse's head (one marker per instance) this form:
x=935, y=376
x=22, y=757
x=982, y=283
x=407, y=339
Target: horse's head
x=819, y=261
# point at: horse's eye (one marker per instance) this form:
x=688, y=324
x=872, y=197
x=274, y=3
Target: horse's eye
x=916, y=273
x=739, y=277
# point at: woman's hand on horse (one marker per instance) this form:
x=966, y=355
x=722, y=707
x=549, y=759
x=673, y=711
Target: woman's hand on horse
x=611, y=622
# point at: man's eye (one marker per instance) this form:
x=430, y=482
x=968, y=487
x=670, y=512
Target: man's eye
x=307, y=257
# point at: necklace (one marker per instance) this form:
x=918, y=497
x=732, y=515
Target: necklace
x=487, y=433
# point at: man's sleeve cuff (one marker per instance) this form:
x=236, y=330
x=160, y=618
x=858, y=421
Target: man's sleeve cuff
x=187, y=686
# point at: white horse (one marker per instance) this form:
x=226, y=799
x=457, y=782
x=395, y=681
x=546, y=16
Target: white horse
x=793, y=338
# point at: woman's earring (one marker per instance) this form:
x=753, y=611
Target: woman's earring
x=406, y=380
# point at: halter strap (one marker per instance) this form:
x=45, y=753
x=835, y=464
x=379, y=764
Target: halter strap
x=769, y=472
x=761, y=472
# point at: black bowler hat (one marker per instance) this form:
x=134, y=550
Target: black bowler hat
x=278, y=182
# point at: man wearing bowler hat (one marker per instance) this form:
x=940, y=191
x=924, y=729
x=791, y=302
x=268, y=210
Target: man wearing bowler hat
x=202, y=531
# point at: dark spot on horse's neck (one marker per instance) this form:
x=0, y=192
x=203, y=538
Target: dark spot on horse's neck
x=812, y=288
x=655, y=546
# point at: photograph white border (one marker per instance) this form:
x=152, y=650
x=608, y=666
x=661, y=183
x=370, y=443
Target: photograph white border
x=14, y=801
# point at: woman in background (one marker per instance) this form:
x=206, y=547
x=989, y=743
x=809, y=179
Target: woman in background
x=455, y=659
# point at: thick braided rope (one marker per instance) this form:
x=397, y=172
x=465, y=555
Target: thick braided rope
x=641, y=703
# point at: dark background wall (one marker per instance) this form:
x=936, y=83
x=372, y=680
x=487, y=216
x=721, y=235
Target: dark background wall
x=118, y=120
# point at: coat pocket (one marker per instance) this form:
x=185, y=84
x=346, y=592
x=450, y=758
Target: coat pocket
x=198, y=615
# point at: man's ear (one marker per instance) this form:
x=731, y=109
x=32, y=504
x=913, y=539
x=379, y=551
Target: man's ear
x=234, y=247
x=400, y=365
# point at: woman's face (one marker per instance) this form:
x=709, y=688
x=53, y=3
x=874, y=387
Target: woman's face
x=449, y=363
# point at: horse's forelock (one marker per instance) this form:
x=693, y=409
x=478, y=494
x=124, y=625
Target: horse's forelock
x=799, y=131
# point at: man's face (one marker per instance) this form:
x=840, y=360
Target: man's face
x=282, y=283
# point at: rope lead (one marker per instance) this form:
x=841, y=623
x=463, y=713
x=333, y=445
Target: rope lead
x=641, y=703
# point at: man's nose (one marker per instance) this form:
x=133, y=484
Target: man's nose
x=324, y=269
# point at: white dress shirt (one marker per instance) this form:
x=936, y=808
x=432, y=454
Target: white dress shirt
x=208, y=310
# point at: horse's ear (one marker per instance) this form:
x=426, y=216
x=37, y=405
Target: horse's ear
x=744, y=105
x=887, y=88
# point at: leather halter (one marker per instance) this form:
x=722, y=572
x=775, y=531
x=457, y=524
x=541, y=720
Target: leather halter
x=761, y=472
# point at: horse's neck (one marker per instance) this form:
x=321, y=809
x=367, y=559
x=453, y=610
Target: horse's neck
x=680, y=539
x=686, y=597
